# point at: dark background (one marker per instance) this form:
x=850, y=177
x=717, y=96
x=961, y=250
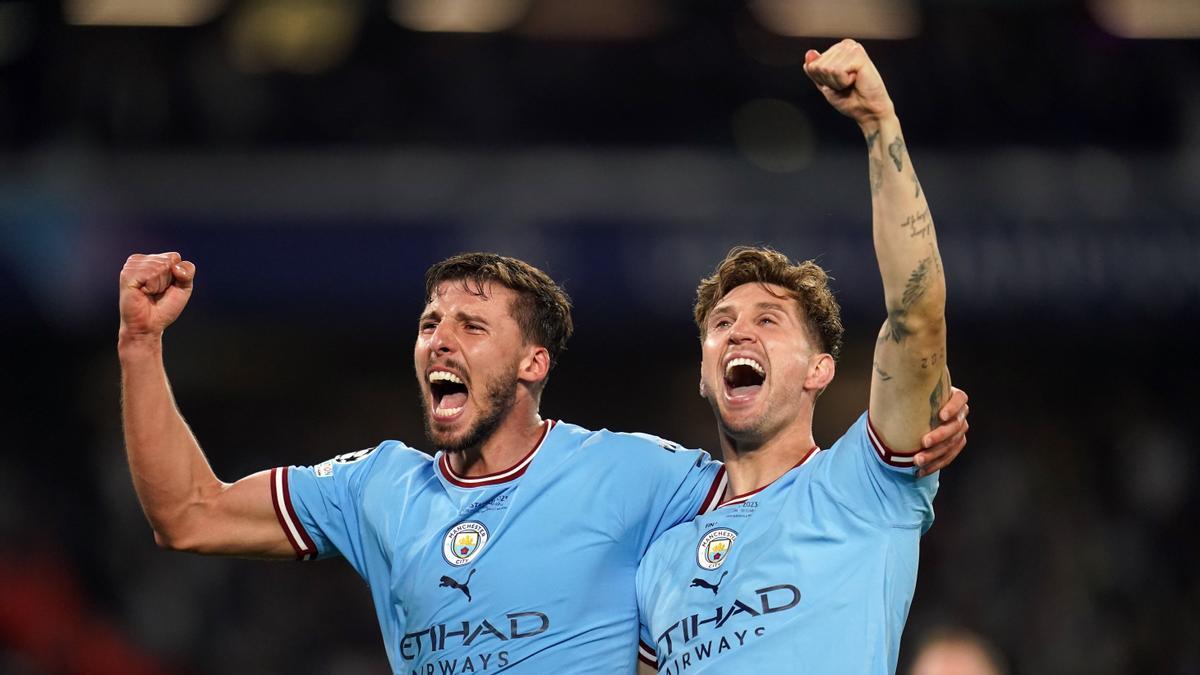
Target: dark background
x=313, y=157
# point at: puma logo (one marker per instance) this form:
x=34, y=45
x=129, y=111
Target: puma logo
x=700, y=583
x=447, y=582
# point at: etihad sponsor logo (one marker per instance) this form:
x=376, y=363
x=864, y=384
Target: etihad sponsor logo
x=695, y=654
x=714, y=548
x=474, y=663
x=463, y=542
x=769, y=600
x=464, y=634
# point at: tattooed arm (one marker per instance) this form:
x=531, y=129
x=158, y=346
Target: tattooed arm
x=910, y=381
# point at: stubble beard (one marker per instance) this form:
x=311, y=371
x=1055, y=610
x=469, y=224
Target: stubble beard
x=746, y=430
x=500, y=395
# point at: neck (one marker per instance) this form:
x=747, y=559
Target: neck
x=518, y=433
x=754, y=462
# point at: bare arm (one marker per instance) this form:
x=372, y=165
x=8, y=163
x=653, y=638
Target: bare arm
x=910, y=382
x=187, y=506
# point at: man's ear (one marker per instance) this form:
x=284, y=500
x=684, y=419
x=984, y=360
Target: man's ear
x=535, y=366
x=821, y=369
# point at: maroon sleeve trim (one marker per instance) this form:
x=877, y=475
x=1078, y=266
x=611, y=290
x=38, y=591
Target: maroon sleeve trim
x=647, y=654
x=902, y=460
x=715, y=492
x=281, y=500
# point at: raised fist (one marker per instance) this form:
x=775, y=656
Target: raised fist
x=154, y=290
x=845, y=75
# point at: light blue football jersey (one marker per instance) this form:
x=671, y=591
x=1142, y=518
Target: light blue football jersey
x=530, y=570
x=813, y=573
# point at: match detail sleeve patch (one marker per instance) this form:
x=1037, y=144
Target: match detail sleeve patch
x=900, y=460
x=281, y=499
x=647, y=654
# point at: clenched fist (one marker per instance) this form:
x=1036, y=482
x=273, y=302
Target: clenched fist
x=154, y=290
x=850, y=82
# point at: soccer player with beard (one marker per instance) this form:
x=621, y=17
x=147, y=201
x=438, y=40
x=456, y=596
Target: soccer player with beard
x=514, y=548
x=809, y=562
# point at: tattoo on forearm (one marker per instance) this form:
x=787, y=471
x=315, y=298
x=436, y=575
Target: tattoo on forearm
x=918, y=282
x=933, y=360
x=871, y=138
x=896, y=329
x=896, y=150
x=935, y=403
x=876, y=175
x=883, y=376
x=918, y=224
x=917, y=184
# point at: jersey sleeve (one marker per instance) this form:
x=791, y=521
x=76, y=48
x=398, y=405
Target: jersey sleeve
x=319, y=507
x=876, y=483
x=675, y=485
x=647, y=651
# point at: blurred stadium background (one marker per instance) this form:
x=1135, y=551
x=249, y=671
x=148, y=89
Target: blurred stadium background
x=314, y=156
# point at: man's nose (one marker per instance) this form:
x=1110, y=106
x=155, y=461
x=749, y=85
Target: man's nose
x=443, y=340
x=741, y=332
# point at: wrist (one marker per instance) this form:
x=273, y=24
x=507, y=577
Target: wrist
x=132, y=345
x=870, y=124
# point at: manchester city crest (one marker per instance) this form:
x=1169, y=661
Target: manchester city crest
x=463, y=542
x=714, y=548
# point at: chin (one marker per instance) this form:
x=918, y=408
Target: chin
x=740, y=425
x=447, y=437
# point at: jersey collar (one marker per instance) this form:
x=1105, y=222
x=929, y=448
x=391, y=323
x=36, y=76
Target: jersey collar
x=738, y=499
x=511, y=473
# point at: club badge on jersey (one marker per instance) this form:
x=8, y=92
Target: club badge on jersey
x=714, y=548
x=463, y=542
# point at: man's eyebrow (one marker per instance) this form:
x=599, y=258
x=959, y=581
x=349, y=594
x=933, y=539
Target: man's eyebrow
x=771, y=305
x=720, y=310
x=467, y=317
x=429, y=314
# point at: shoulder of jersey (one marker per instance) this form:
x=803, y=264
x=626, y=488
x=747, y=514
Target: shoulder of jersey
x=629, y=442
x=855, y=434
x=397, y=452
x=393, y=453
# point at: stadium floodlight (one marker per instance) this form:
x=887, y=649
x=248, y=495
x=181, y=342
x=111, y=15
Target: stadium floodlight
x=1161, y=19
x=140, y=12
x=865, y=19
x=458, y=16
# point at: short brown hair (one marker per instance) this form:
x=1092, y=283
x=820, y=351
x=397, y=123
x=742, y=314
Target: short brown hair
x=805, y=282
x=542, y=308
